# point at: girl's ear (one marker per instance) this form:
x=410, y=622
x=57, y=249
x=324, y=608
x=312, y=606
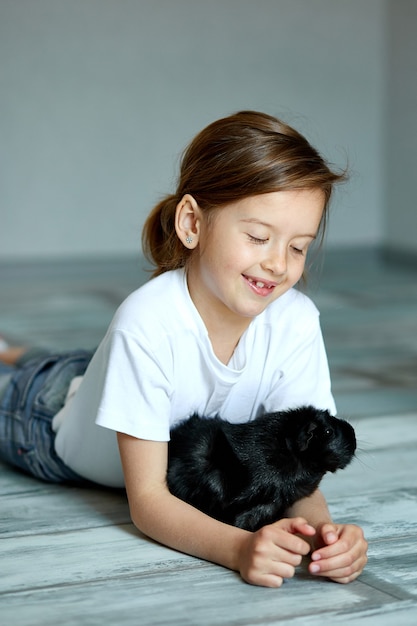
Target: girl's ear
x=188, y=221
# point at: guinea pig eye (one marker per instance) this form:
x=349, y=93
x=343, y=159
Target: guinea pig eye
x=328, y=433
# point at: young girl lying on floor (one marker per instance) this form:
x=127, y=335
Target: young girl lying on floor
x=219, y=329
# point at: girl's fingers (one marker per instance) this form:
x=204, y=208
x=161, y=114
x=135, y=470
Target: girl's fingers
x=298, y=524
x=273, y=552
x=349, y=540
x=295, y=526
x=271, y=572
x=344, y=559
x=343, y=567
x=342, y=574
x=284, y=534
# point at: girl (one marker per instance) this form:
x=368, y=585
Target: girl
x=219, y=329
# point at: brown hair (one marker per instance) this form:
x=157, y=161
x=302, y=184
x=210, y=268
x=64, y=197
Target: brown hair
x=245, y=154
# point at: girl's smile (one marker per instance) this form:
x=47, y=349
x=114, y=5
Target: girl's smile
x=262, y=288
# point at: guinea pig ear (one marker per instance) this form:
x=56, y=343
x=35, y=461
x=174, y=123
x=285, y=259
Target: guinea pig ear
x=305, y=436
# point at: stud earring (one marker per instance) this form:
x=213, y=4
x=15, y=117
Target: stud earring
x=189, y=239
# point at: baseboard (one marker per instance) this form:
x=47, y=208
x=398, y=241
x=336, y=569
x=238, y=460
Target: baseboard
x=88, y=267
x=392, y=255
x=370, y=255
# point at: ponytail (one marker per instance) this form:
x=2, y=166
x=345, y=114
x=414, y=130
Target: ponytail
x=160, y=243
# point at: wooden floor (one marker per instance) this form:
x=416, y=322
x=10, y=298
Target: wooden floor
x=71, y=556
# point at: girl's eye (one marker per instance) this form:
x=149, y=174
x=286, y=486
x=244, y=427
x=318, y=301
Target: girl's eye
x=298, y=250
x=256, y=240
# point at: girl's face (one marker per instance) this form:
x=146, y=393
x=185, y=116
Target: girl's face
x=251, y=252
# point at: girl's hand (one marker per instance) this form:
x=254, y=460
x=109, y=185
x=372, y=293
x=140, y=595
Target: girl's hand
x=341, y=555
x=273, y=552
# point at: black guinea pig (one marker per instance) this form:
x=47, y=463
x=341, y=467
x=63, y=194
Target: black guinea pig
x=249, y=474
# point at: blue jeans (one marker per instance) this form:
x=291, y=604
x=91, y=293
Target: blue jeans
x=30, y=395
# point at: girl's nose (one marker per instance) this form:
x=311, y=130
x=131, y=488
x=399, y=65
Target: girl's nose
x=276, y=262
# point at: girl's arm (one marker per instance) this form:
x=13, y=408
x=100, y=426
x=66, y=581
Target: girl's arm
x=339, y=550
x=262, y=558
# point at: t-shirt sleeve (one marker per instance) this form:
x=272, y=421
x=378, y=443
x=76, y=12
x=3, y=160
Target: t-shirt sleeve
x=304, y=378
x=135, y=387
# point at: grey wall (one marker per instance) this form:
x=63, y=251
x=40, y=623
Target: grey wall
x=98, y=97
x=401, y=129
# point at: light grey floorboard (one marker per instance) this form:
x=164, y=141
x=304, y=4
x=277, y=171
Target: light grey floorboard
x=207, y=596
x=42, y=511
x=82, y=556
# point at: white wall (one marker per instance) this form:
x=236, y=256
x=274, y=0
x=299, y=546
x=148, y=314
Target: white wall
x=401, y=129
x=98, y=97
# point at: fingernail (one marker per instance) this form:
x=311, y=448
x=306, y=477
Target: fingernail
x=331, y=537
x=315, y=557
x=314, y=569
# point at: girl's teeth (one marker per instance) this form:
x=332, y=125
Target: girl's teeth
x=258, y=283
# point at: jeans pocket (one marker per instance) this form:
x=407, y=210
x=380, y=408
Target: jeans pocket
x=51, y=397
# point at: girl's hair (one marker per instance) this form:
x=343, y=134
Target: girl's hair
x=245, y=154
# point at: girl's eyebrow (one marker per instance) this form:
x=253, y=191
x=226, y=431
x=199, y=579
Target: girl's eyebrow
x=255, y=220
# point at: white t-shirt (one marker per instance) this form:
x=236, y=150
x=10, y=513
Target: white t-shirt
x=156, y=367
